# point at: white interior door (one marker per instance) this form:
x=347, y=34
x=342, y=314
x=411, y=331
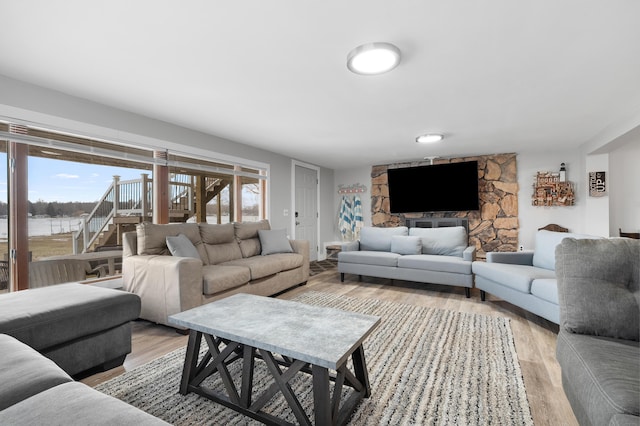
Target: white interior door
x=306, y=208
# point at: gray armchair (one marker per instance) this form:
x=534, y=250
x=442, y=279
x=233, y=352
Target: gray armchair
x=598, y=345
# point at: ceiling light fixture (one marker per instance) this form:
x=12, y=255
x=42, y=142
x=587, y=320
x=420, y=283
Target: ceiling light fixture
x=373, y=58
x=429, y=138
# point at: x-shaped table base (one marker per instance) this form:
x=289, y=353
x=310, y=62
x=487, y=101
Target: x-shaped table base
x=221, y=353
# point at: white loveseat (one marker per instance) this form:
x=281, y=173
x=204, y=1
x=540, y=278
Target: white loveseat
x=427, y=255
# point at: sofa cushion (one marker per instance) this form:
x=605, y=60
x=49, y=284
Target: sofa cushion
x=223, y=252
x=599, y=287
x=517, y=277
x=264, y=266
x=601, y=374
x=274, y=241
x=447, y=241
x=247, y=236
x=379, y=239
x=380, y=258
x=217, y=278
x=24, y=372
x=64, y=312
x=75, y=403
x=544, y=254
x=439, y=263
x=181, y=246
x=152, y=238
x=212, y=233
x=545, y=289
x=403, y=244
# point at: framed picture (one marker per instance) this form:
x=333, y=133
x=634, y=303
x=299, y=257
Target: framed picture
x=597, y=184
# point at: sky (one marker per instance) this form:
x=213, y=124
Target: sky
x=62, y=181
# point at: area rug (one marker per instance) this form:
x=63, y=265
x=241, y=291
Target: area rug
x=318, y=266
x=427, y=366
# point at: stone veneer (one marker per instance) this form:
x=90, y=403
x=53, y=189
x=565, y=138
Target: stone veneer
x=492, y=228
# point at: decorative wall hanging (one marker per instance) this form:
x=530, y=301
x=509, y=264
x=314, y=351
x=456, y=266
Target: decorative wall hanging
x=351, y=189
x=597, y=184
x=550, y=190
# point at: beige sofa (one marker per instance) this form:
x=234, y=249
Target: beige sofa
x=230, y=261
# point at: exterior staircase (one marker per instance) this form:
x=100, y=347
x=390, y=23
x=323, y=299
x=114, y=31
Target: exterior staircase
x=128, y=203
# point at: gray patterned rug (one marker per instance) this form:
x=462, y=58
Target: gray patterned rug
x=426, y=366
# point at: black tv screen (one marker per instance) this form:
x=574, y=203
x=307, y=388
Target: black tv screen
x=440, y=187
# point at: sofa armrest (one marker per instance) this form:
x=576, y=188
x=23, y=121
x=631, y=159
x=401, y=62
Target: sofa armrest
x=469, y=254
x=513, y=257
x=302, y=247
x=166, y=284
x=351, y=246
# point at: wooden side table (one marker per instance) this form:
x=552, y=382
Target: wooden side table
x=333, y=250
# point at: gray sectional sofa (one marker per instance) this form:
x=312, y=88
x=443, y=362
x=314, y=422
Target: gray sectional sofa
x=427, y=255
x=78, y=326
x=35, y=391
x=526, y=278
x=216, y=261
x=598, y=346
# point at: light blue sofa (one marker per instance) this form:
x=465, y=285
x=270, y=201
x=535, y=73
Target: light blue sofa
x=526, y=278
x=427, y=255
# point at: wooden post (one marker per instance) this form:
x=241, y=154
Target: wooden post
x=18, y=211
x=160, y=190
x=236, y=201
x=201, y=199
x=144, y=201
x=116, y=195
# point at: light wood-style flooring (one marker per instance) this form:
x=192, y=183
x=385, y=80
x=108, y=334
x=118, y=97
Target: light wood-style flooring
x=535, y=338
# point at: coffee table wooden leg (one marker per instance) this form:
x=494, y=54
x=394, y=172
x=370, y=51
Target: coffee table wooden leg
x=360, y=370
x=321, y=396
x=190, y=361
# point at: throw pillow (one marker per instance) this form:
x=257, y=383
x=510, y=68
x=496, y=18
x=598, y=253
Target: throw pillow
x=402, y=244
x=181, y=246
x=274, y=241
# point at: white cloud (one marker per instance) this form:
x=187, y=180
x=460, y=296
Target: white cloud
x=66, y=176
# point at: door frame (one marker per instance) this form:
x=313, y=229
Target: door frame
x=295, y=163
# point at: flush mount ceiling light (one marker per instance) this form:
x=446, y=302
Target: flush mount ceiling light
x=429, y=138
x=373, y=58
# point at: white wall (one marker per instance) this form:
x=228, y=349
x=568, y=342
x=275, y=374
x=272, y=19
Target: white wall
x=597, y=208
x=28, y=102
x=624, y=188
x=533, y=217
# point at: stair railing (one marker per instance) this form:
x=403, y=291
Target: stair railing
x=131, y=198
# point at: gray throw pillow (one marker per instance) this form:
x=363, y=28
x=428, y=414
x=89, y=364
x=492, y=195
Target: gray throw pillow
x=599, y=287
x=274, y=241
x=181, y=246
x=403, y=244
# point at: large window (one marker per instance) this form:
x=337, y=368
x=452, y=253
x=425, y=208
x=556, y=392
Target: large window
x=82, y=193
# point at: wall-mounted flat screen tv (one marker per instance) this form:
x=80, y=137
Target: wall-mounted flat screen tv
x=435, y=188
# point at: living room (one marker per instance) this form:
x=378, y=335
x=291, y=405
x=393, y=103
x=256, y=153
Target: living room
x=583, y=113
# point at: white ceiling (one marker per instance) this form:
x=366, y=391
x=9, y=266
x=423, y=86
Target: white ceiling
x=493, y=75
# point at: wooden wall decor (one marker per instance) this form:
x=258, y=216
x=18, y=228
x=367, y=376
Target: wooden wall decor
x=494, y=227
x=548, y=190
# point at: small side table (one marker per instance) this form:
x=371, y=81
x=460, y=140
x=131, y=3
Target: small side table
x=333, y=250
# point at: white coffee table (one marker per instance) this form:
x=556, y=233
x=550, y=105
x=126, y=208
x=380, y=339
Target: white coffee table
x=297, y=336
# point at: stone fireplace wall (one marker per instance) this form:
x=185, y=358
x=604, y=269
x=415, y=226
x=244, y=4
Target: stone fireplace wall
x=492, y=228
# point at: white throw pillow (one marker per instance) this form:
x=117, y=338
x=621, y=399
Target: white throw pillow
x=181, y=246
x=402, y=244
x=274, y=241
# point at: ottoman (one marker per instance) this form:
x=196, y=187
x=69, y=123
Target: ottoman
x=75, y=325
